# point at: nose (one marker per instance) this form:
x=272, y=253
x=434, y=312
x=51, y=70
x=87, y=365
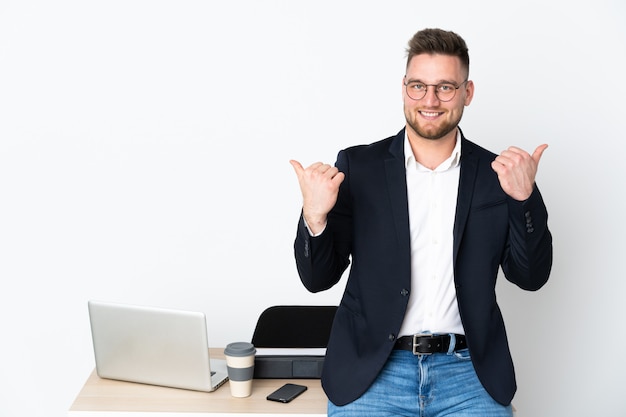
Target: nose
x=431, y=99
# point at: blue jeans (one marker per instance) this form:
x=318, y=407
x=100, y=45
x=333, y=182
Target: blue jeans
x=442, y=384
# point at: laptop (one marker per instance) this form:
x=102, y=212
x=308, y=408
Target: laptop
x=152, y=345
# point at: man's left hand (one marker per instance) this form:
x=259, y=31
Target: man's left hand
x=516, y=171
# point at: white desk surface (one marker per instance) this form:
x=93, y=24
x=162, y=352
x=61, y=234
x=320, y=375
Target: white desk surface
x=103, y=397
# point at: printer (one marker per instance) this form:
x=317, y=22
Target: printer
x=291, y=341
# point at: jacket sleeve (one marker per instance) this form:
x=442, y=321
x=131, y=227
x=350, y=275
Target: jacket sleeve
x=322, y=260
x=527, y=259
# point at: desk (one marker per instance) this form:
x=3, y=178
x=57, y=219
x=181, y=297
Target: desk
x=105, y=397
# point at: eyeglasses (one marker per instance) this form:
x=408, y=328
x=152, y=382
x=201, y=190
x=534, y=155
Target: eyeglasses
x=416, y=90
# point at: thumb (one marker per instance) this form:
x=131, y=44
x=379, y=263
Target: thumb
x=538, y=152
x=297, y=166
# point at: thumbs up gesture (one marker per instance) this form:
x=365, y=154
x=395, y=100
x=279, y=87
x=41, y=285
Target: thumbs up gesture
x=516, y=171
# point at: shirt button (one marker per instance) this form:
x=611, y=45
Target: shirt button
x=392, y=337
x=404, y=292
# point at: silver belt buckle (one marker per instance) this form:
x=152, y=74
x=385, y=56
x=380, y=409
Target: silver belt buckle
x=415, y=345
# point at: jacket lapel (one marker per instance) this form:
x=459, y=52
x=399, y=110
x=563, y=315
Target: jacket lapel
x=467, y=178
x=396, y=184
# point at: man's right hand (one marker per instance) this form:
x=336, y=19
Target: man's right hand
x=319, y=184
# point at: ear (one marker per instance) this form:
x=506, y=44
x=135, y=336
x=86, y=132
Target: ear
x=469, y=92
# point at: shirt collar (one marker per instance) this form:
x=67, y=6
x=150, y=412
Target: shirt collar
x=451, y=162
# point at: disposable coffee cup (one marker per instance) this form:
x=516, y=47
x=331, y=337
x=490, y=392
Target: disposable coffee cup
x=240, y=365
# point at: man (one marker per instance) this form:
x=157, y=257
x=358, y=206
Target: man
x=428, y=218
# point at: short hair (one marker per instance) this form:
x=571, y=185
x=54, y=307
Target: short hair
x=438, y=41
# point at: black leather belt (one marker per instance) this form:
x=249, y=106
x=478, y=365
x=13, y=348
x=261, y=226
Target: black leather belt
x=426, y=344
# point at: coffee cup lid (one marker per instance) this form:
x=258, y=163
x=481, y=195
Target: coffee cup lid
x=239, y=349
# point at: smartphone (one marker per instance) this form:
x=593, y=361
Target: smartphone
x=287, y=393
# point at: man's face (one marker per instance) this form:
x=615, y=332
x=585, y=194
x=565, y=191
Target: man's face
x=429, y=117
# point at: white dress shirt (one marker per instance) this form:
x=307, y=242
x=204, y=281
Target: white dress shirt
x=432, y=196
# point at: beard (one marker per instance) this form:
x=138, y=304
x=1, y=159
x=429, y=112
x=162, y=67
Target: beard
x=433, y=133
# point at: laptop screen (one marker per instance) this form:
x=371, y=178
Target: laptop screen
x=152, y=345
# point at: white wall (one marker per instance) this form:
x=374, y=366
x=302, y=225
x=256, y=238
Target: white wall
x=144, y=151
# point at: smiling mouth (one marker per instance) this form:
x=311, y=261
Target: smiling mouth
x=430, y=113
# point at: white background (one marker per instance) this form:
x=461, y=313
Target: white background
x=144, y=150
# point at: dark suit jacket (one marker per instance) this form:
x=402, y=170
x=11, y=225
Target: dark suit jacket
x=370, y=224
